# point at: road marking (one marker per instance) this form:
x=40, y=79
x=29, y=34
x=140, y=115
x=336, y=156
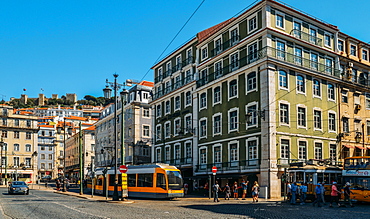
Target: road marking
x=75, y=209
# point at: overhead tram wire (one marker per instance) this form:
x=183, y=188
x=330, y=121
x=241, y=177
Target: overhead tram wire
x=183, y=26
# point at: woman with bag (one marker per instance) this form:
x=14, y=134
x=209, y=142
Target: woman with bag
x=334, y=195
x=255, y=191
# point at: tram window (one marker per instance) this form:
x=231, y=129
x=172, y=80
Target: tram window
x=309, y=178
x=99, y=182
x=161, y=181
x=131, y=180
x=320, y=177
x=327, y=178
x=145, y=180
x=112, y=178
x=299, y=177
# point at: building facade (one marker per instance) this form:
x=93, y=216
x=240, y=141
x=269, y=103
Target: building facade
x=269, y=92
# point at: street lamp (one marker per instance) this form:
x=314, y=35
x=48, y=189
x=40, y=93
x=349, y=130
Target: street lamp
x=116, y=86
x=34, y=154
x=59, y=130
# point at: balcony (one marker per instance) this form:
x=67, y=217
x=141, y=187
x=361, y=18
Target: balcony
x=269, y=52
x=306, y=37
x=173, y=87
x=237, y=166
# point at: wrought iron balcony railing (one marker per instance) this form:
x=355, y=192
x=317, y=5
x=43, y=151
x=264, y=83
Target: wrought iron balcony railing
x=229, y=166
x=306, y=37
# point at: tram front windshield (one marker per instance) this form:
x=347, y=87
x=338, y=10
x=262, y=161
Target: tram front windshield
x=358, y=182
x=174, y=180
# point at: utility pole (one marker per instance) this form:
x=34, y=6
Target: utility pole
x=81, y=160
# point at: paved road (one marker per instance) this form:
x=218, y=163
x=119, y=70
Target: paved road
x=48, y=204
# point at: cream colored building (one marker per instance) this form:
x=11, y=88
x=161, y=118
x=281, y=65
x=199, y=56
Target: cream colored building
x=19, y=140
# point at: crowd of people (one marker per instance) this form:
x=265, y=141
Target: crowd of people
x=296, y=190
x=233, y=190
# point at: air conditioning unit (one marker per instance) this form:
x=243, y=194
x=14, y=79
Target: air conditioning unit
x=350, y=64
x=358, y=107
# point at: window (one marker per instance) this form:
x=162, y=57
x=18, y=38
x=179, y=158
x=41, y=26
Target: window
x=28, y=147
x=345, y=122
x=188, y=150
x=16, y=122
x=167, y=129
x=251, y=81
x=283, y=79
x=145, y=112
x=284, y=113
x=333, y=151
x=297, y=29
x=301, y=87
x=177, y=152
x=28, y=162
x=313, y=36
x=168, y=69
x=178, y=62
x=252, y=113
x=50, y=165
x=332, y=126
x=16, y=161
x=301, y=116
x=344, y=96
x=203, y=156
x=43, y=156
x=16, y=134
x=367, y=100
x=234, y=37
x=252, y=52
x=203, y=101
x=233, y=120
x=158, y=156
x=354, y=75
x=314, y=61
x=368, y=127
x=302, y=150
x=5, y=122
x=234, y=61
x=188, y=76
x=252, y=23
x=204, y=76
x=16, y=147
x=252, y=150
x=284, y=150
x=327, y=40
x=188, y=98
x=203, y=128
x=146, y=131
x=159, y=112
x=158, y=133
x=364, y=54
x=340, y=45
x=316, y=88
x=331, y=92
x=168, y=107
x=28, y=123
x=318, y=151
x=234, y=155
x=167, y=153
x=218, y=46
x=233, y=88
x=280, y=50
x=177, y=126
x=329, y=66
x=353, y=50
x=189, y=55
x=317, y=119
x=204, y=53
x=4, y=134
x=177, y=103
x=217, y=124
x=217, y=95
x=279, y=21
x=50, y=157
x=298, y=56
x=217, y=154
x=145, y=180
x=188, y=123
x=177, y=82
x=218, y=69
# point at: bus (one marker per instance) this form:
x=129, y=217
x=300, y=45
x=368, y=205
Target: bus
x=313, y=172
x=160, y=181
x=356, y=171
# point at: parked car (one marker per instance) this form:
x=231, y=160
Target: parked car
x=18, y=187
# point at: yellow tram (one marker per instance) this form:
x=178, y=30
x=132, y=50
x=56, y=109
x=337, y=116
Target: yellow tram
x=356, y=171
x=143, y=181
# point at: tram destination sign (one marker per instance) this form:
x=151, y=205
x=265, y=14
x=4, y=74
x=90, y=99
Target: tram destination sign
x=356, y=173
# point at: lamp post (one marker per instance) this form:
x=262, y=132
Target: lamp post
x=59, y=130
x=34, y=155
x=116, y=86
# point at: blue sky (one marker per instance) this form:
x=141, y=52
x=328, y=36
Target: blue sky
x=73, y=46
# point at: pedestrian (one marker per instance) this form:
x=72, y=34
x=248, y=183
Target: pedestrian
x=255, y=191
x=235, y=190
x=227, y=191
x=294, y=189
x=216, y=189
x=206, y=189
x=244, y=186
x=347, y=194
x=58, y=184
x=289, y=191
x=67, y=184
x=323, y=189
x=303, y=194
x=186, y=188
x=334, y=195
x=317, y=195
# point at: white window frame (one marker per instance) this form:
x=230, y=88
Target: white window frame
x=203, y=161
x=190, y=97
x=288, y=113
x=177, y=108
x=214, y=126
x=204, y=52
x=201, y=136
x=219, y=96
x=254, y=154
x=365, y=52
x=167, y=108
x=299, y=147
x=167, y=135
x=316, y=109
x=169, y=67
x=237, y=64
x=254, y=82
x=314, y=64
x=287, y=80
x=335, y=122
x=158, y=137
x=255, y=26
x=252, y=52
x=178, y=63
x=322, y=149
x=231, y=161
x=350, y=49
x=218, y=69
x=313, y=88
x=298, y=57
x=177, y=152
x=304, y=84
x=217, y=50
x=188, y=126
x=185, y=149
x=236, y=89
x=329, y=69
x=233, y=42
x=176, y=130
x=334, y=89
x=254, y=115
x=280, y=51
x=203, y=101
x=167, y=157
x=327, y=42
x=146, y=132
x=214, y=154
x=230, y=122
x=158, y=110
x=289, y=148
x=146, y=112
x=281, y=24
x=305, y=116
x=343, y=45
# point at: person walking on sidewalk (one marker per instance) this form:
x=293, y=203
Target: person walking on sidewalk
x=334, y=195
x=227, y=191
x=317, y=196
x=303, y=193
x=244, y=186
x=294, y=193
x=216, y=189
x=347, y=194
x=235, y=190
x=255, y=191
x=323, y=193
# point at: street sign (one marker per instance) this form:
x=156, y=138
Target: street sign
x=214, y=169
x=123, y=168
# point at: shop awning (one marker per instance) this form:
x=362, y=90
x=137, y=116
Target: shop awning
x=359, y=147
x=348, y=146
